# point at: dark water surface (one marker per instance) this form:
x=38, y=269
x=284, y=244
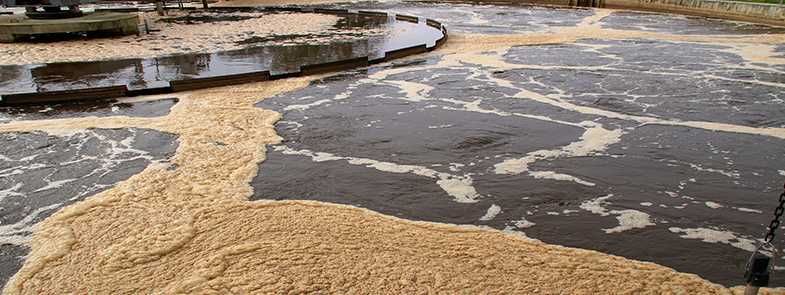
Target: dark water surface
x=42, y=173
x=704, y=196
x=428, y=139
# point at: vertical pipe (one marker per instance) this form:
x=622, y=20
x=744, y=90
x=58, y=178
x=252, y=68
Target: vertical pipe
x=751, y=290
x=159, y=6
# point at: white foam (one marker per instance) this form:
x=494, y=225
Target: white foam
x=713, y=205
x=496, y=62
x=458, y=186
x=461, y=188
x=54, y=184
x=628, y=219
x=492, y=212
x=594, y=140
x=731, y=174
x=709, y=235
x=440, y=126
x=749, y=210
x=705, y=234
x=596, y=205
x=302, y=107
x=559, y=176
x=11, y=191
x=296, y=125
x=523, y=223
x=414, y=92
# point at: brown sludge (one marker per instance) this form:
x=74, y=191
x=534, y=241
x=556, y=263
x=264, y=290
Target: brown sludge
x=302, y=247
x=190, y=230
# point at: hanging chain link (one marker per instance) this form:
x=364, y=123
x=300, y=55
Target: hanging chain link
x=776, y=222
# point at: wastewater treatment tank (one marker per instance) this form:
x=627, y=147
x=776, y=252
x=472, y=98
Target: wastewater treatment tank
x=53, y=19
x=27, y=3
x=51, y=8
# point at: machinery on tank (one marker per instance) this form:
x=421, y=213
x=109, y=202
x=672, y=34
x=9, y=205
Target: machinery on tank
x=61, y=17
x=50, y=9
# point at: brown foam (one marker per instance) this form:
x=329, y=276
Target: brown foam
x=191, y=230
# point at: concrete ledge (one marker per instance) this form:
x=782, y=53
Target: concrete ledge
x=65, y=95
x=283, y=8
x=764, y=13
x=232, y=9
x=149, y=91
x=433, y=23
x=201, y=83
x=334, y=66
x=390, y=55
x=122, y=9
x=331, y=11
x=746, y=11
x=286, y=75
x=439, y=42
x=372, y=13
x=15, y=26
x=407, y=18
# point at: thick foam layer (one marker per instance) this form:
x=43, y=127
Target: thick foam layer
x=140, y=229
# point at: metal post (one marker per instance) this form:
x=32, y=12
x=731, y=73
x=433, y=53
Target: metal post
x=159, y=6
x=757, y=273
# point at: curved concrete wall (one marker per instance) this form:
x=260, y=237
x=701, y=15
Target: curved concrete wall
x=773, y=14
x=214, y=81
x=729, y=9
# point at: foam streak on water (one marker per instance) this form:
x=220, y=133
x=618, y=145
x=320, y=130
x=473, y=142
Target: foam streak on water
x=667, y=118
x=457, y=186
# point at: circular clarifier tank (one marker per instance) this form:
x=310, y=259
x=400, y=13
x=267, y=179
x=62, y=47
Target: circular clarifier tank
x=16, y=27
x=357, y=38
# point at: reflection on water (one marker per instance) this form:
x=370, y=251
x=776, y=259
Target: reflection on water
x=278, y=54
x=97, y=108
x=62, y=76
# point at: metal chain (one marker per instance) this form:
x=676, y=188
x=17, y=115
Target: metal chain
x=776, y=222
